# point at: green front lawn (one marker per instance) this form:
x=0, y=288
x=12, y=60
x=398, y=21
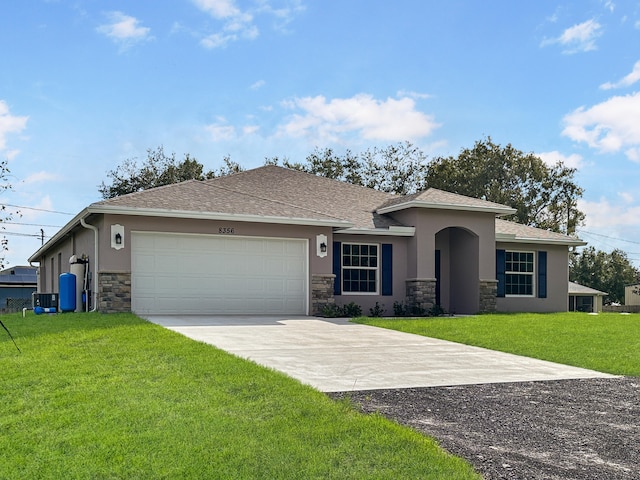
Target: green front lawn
x=114, y=397
x=608, y=342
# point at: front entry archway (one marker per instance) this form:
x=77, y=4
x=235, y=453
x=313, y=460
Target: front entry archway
x=457, y=270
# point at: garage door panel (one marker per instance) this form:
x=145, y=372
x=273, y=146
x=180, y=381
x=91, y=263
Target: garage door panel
x=173, y=273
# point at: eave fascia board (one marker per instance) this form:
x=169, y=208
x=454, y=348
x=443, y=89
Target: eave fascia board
x=390, y=232
x=541, y=241
x=59, y=235
x=157, y=212
x=499, y=211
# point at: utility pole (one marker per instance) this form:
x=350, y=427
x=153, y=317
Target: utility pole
x=42, y=236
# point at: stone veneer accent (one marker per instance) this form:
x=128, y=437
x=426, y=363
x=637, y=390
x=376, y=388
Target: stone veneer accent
x=114, y=292
x=421, y=293
x=488, y=295
x=321, y=292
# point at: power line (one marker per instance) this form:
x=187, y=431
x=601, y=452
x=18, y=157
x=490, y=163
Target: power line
x=36, y=209
x=17, y=234
x=31, y=224
x=610, y=237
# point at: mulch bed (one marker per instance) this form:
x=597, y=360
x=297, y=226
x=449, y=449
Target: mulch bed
x=567, y=429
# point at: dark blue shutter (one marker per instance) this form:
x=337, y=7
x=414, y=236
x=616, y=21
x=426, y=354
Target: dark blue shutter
x=542, y=274
x=387, y=269
x=337, y=268
x=500, y=269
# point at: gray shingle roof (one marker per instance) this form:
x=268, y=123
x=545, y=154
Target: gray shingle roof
x=434, y=198
x=268, y=191
x=512, y=231
x=273, y=192
x=577, y=289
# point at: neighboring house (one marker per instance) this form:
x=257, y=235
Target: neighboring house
x=585, y=299
x=279, y=241
x=632, y=294
x=17, y=284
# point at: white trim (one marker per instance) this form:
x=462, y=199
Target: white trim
x=500, y=211
x=511, y=238
x=393, y=231
x=159, y=212
x=533, y=274
x=377, y=269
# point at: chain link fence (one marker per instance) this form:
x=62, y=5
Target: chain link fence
x=16, y=305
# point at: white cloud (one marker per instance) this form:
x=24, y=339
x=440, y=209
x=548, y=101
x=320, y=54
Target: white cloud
x=220, y=132
x=552, y=158
x=579, y=38
x=610, y=126
x=124, y=29
x=625, y=81
x=240, y=23
x=416, y=95
x=604, y=214
x=627, y=197
x=40, y=177
x=9, y=124
x=257, y=85
x=218, y=8
x=390, y=120
x=250, y=129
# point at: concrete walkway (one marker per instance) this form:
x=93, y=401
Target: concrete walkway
x=334, y=355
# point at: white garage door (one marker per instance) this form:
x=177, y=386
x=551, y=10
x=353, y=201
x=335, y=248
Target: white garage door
x=211, y=274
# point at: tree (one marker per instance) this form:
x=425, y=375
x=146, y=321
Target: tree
x=159, y=169
x=398, y=169
x=607, y=272
x=5, y=216
x=543, y=196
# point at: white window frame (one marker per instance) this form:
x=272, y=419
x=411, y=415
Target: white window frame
x=512, y=272
x=344, y=267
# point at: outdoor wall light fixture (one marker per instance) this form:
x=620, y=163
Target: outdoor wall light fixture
x=321, y=245
x=117, y=236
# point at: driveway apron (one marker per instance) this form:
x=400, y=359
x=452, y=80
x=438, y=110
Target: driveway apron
x=334, y=355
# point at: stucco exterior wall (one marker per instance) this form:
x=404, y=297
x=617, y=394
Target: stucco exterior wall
x=120, y=260
x=399, y=273
x=56, y=260
x=428, y=222
x=557, y=281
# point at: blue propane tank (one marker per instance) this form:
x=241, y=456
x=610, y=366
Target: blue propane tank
x=67, y=292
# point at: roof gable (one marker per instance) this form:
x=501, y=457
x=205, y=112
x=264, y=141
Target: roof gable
x=439, y=199
x=512, y=232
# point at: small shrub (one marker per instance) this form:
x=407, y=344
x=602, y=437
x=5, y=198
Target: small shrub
x=377, y=310
x=352, y=310
x=332, y=311
x=401, y=309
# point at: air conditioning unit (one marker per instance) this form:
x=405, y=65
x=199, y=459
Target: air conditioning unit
x=45, y=300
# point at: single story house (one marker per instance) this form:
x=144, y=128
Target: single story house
x=17, y=285
x=585, y=299
x=278, y=241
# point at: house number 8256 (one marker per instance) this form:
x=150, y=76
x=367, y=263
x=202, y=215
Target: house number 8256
x=226, y=230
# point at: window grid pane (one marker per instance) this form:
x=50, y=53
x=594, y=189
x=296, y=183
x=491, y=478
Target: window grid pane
x=519, y=270
x=362, y=279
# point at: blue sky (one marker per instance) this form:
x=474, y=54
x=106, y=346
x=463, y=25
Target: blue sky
x=86, y=84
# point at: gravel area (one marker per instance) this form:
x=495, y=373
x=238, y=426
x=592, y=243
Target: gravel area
x=566, y=429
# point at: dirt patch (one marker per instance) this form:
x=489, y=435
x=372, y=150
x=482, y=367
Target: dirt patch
x=567, y=429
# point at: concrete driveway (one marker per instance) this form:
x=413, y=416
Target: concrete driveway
x=334, y=355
